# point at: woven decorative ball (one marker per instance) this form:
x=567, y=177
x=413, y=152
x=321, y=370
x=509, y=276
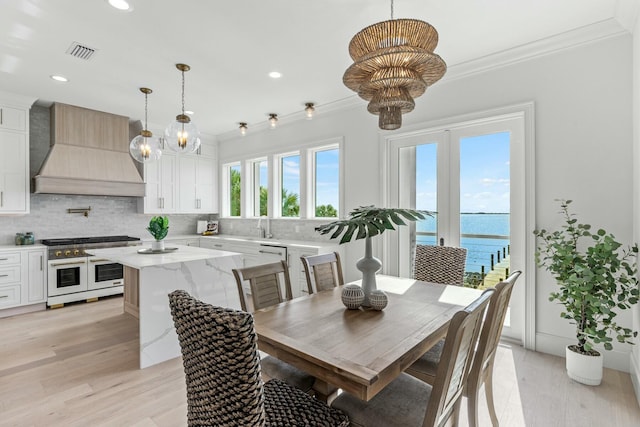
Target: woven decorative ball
x=352, y=296
x=378, y=299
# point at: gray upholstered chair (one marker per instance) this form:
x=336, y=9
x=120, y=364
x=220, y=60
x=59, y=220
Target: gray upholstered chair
x=266, y=290
x=440, y=264
x=481, y=372
x=409, y=402
x=222, y=370
x=326, y=269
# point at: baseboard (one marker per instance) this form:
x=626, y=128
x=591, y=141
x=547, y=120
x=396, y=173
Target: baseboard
x=553, y=344
x=635, y=376
x=6, y=312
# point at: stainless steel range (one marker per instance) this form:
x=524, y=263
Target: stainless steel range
x=74, y=275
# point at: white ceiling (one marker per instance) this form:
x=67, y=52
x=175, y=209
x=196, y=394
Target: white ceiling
x=232, y=46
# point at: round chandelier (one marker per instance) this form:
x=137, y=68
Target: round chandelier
x=393, y=64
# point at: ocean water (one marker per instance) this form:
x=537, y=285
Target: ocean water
x=483, y=234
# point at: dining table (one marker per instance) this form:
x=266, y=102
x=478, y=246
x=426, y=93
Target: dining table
x=360, y=351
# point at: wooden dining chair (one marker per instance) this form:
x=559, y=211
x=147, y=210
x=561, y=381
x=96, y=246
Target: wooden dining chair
x=481, y=371
x=327, y=271
x=409, y=402
x=440, y=264
x=266, y=291
x=222, y=371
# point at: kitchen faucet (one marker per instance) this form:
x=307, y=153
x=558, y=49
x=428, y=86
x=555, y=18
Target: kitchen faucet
x=265, y=232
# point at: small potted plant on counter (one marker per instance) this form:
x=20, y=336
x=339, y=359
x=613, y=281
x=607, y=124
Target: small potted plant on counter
x=159, y=228
x=596, y=278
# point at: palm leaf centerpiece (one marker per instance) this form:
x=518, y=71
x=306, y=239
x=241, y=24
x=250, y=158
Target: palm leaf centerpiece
x=369, y=221
x=363, y=223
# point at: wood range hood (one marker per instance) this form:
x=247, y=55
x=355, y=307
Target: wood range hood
x=89, y=155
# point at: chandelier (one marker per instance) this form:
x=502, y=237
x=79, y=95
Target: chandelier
x=393, y=64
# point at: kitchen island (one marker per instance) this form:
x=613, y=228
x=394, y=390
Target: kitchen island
x=149, y=278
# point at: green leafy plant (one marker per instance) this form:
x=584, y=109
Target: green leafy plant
x=596, y=279
x=369, y=221
x=159, y=227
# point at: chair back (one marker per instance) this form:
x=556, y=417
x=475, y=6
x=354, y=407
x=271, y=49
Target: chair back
x=327, y=271
x=492, y=327
x=457, y=355
x=264, y=282
x=440, y=264
x=221, y=363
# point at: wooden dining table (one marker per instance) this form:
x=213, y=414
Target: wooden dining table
x=360, y=351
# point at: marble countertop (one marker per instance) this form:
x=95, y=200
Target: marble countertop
x=130, y=257
x=22, y=247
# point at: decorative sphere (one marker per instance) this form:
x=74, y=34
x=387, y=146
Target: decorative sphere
x=378, y=299
x=352, y=296
x=182, y=137
x=145, y=149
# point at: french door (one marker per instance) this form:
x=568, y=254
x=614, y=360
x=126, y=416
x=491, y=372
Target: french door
x=471, y=176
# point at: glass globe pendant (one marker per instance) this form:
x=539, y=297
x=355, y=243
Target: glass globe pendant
x=182, y=136
x=144, y=148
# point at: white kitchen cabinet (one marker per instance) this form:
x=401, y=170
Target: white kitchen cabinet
x=161, y=185
x=185, y=242
x=14, y=160
x=22, y=280
x=13, y=118
x=248, y=250
x=197, y=184
x=36, y=282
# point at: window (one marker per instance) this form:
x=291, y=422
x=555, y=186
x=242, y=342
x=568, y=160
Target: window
x=326, y=182
x=290, y=185
x=260, y=187
x=232, y=189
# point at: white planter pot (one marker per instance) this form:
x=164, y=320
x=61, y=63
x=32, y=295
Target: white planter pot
x=583, y=368
x=157, y=245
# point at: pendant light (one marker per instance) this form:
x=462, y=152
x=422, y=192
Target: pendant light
x=144, y=148
x=393, y=64
x=182, y=135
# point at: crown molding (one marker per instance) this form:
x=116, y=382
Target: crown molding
x=627, y=13
x=588, y=34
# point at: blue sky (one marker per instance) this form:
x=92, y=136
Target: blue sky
x=327, y=176
x=484, y=174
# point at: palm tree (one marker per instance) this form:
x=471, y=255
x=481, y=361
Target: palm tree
x=234, y=209
x=290, y=204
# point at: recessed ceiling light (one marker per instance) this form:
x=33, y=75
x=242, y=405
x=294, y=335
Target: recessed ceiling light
x=189, y=112
x=275, y=75
x=121, y=4
x=59, y=78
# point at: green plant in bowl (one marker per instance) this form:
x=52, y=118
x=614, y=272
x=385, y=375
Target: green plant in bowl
x=159, y=227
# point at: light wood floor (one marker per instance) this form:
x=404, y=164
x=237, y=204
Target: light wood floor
x=77, y=366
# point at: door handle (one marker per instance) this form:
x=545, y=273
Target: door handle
x=1, y=198
x=269, y=252
x=66, y=263
x=4, y=275
x=1, y=118
x=41, y=264
x=4, y=296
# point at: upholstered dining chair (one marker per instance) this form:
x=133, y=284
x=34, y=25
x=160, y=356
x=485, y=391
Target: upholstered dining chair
x=409, y=402
x=440, y=264
x=481, y=371
x=326, y=270
x=266, y=290
x=222, y=370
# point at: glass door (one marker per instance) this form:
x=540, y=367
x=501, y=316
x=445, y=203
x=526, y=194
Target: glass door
x=463, y=174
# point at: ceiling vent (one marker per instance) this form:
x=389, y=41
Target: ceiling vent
x=81, y=51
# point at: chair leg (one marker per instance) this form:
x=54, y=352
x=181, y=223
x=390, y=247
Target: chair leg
x=472, y=405
x=488, y=390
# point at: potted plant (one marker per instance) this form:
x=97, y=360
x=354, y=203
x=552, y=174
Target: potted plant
x=158, y=227
x=366, y=222
x=596, y=278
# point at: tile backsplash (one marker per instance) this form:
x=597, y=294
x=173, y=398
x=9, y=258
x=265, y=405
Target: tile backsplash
x=108, y=216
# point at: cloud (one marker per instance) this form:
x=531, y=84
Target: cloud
x=493, y=181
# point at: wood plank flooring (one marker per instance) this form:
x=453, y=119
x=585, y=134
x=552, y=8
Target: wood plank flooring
x=77, y=366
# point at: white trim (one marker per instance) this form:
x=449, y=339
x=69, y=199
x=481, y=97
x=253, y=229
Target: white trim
x=634, y=372
x=526, y=157
x=225, y=195
x=556, y=345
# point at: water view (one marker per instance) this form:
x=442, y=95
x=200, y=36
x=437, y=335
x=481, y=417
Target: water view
x=482, y=234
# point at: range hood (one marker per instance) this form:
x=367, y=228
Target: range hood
x=89, y=155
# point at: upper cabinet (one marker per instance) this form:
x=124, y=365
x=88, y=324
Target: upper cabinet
x=181, y=183
x=14, y=154
x=13, y=118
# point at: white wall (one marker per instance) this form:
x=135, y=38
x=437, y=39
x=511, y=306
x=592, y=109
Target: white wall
x=584, y=147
